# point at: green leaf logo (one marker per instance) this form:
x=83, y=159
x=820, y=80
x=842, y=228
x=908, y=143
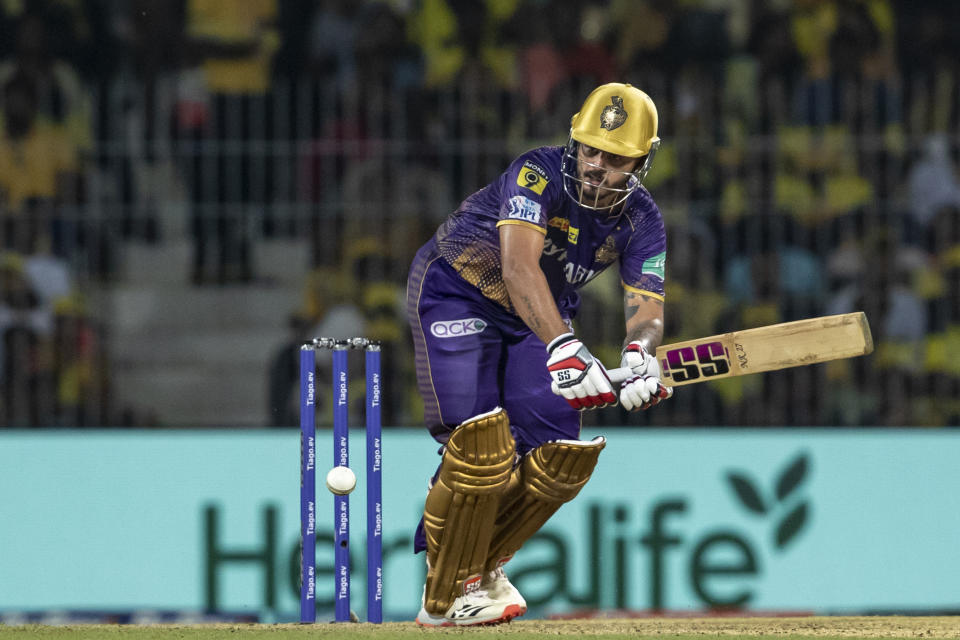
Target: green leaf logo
x=747, y=493
x=792, y=477
x=791, y=516
x=790, y=526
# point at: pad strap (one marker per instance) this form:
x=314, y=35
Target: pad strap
x=462, y=505
x=548, y=476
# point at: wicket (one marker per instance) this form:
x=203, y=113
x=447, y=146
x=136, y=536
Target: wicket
x=341, y=457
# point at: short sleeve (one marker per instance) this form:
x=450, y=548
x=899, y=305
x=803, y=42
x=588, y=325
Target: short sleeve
x=528, y=194
x=643, y=263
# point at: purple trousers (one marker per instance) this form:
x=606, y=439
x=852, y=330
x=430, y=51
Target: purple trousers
x=473, y=356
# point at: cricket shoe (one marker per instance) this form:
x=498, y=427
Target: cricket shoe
x=499, y=588
x=470, y=609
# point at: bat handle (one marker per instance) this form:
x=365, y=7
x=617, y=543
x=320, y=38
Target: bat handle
x=620, y=374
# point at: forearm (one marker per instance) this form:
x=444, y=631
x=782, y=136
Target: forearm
x=649, y=334
x=644, y=320
x=644, y=315
x=534, y=303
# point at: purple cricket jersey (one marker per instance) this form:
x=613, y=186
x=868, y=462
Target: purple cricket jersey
x=473, y=352
x=579, y=243
x=466, y=332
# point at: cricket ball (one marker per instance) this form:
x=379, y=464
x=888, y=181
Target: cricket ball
x=341, y=480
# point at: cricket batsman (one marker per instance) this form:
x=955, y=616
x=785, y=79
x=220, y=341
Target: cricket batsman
x=491, y=298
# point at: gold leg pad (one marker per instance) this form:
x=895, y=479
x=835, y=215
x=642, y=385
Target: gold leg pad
x=549, y=476
x=462, y=505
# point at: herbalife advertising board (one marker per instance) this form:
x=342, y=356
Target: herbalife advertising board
x=798, y=520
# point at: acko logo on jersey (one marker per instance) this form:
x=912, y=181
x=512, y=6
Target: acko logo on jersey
x=533, y=177
x=524, y=209
x=457, y=328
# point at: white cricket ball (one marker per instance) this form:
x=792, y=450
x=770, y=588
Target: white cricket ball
x=341, y=480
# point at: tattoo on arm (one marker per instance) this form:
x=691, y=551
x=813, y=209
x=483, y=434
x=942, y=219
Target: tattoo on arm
x=533, y=320
x=649, y=332
x=632, y=303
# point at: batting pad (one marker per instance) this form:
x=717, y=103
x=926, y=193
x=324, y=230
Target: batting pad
x=549, y=476
x=462, y=506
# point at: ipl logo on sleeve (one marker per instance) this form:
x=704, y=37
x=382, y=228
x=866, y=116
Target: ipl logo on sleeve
x=525, y=209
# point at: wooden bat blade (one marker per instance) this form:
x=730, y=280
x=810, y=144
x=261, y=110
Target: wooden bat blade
x=777, y=346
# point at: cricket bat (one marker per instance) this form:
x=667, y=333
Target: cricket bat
x=777, y=346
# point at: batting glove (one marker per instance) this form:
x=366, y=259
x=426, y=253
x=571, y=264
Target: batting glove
x=644, y=389
x=577, y=375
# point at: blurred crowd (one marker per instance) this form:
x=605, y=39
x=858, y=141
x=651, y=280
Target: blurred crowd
x=809, y=167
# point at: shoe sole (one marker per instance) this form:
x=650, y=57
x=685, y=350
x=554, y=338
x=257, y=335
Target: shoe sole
x=511, y=612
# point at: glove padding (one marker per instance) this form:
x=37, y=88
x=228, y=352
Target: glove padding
x=577, y=376
x=644, y=389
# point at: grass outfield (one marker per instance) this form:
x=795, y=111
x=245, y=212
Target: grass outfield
x=598, y=629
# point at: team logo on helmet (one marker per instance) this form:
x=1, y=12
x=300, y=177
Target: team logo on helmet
x=613, y=115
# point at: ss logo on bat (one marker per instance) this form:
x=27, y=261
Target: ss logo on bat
x=689, y=363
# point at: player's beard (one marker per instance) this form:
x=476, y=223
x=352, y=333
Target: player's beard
x=594, y=188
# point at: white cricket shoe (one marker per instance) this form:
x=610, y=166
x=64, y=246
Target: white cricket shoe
x=474, y=608
x=499, y=588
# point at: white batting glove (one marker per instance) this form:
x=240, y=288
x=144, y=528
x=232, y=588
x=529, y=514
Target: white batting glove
x=577, y=375
x=644, y=389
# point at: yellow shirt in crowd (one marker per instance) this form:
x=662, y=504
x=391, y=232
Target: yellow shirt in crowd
x=236, y=22
x=29, y=168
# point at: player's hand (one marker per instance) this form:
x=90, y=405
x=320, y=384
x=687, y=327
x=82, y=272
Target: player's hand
x=577, y=375
x=644, y=389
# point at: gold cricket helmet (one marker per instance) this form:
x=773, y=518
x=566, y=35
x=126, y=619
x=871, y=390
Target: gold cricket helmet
x=619, y=119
